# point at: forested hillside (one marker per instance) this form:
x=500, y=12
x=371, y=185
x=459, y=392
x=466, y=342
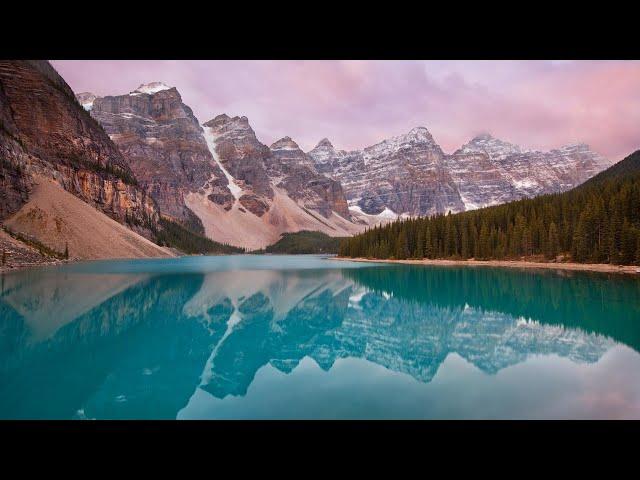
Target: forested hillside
x=304, y=242
x=175, y=235
x=597, y=222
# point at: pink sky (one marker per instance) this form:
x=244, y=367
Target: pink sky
x=536, y=104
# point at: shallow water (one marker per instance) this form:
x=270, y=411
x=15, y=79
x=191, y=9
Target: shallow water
x=309, y=337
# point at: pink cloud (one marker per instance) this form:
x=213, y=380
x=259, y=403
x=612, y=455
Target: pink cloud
x=537, y=104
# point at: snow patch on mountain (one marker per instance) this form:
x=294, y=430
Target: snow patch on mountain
x=210, y=138
x=151, y=88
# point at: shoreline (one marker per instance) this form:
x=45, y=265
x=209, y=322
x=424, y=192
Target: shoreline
x=522, y=264
x=585, y=267
x=31, y=266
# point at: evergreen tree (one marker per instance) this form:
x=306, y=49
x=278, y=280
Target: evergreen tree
x=429, y=251
x=402, y=250
x=419, y=251
x=553, y=243
x=485, y=247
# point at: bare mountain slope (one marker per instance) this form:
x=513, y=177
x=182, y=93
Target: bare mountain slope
x=57, y=218
x=241, y=191
x=44, y=131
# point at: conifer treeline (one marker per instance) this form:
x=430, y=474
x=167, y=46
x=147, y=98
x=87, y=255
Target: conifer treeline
x=598, y=222
x=173, y=234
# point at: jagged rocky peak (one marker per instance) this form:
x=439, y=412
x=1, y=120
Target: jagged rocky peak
x=323, y=151
x=151, y=88
x=324, y=143
x=416, y=137
x=244, y=156
x=86, y=99
x=286, y=151
x=421, y=134
x=285, y=143
x=581, y=155
x=325, y=156
x=224, y=124
x=221, y=119
x=163, y=143
x=486, y=143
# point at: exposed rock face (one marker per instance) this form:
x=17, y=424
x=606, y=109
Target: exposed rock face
x=163, y=143
x=273, y=190
x=243, y=156
x=302, y=182
x=410, y=174
x=489, y=171
x=219, y=178
x=45, y=131
x=478, y=169
x=258, y=169
x=406, y=174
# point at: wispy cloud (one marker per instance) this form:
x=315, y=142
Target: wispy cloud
x=537, y=104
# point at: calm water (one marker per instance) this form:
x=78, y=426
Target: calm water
x=306, y=337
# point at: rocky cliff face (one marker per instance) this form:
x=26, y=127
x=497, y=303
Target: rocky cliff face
x=404, y=174
x=241, y=154
x=257, y=169
x=489, y=171
x=410, y=174
x=298, y=177
x=45, y=131
x=174, y=156
x=218, y=178
x=163, y=144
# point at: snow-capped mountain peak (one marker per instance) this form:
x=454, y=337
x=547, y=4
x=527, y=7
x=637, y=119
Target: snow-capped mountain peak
x=410, y=174
x=490, y=145
x=421, y=132
x=416, y=136
x=151, y=88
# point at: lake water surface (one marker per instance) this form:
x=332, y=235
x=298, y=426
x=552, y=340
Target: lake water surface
x=305, y=337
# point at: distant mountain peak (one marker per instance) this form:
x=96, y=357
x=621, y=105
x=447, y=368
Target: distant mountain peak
x=485, y=136
x=151, y=88
x=223, y=117
x=492, y=146
x=285, y=143
x=224, y=123
x=86, y=99
x=324, y=143
x=419, y=131
x=418, y=134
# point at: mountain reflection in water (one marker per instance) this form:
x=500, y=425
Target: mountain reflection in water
x=148, y=342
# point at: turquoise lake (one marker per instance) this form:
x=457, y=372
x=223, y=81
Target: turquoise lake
x=306, y=337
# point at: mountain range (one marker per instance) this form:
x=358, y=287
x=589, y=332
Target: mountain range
x=143, y=155
x=410, y=174
x=328, y=190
